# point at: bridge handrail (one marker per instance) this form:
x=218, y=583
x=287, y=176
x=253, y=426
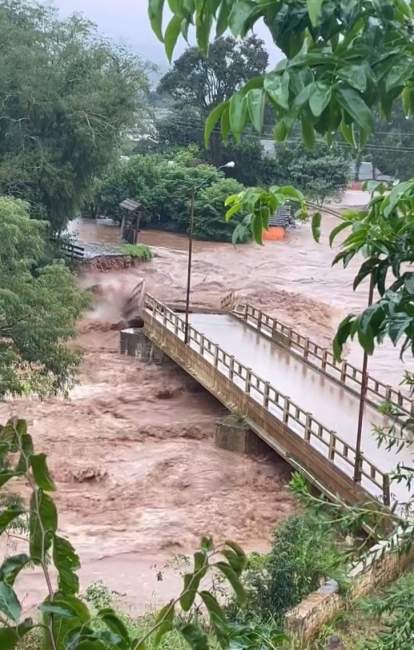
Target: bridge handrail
x=342, y=371
x=260, y=390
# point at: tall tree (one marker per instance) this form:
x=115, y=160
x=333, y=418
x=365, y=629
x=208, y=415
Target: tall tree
x=198, y=83
x=66, y=98
x=39, y=305
x=205, y=80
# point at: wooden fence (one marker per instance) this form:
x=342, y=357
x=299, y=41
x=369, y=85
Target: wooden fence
x=322, y=359
x=71, y=251
x=299, y=422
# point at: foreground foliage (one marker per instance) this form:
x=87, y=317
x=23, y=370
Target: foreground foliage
x=66, y=622
x=39, y=306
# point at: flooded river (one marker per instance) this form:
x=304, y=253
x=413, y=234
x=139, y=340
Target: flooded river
x=139, y=478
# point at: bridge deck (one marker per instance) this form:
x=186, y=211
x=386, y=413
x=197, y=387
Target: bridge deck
x=332, y=404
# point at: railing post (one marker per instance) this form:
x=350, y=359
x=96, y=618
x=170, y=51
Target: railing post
x=286, y=410
x=306, y=352
x=248, y=380
x=324, y=359
x=386, y=489
x=266, y=395
x=246, y=312
x=343, y=371
x=308, y=427
x=388, y=393
x=358, y=467
x=332, y=445
x=290, y=337
x=216, y=356
x=231, y=368
x=202, y=346
x=259, y=321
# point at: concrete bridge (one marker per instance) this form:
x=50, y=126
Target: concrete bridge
x=291, y=393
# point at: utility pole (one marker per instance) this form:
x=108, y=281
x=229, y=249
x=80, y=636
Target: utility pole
x=362, y=400
x=190, y=259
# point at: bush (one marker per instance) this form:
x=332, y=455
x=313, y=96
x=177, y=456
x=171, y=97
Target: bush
x=163, y=186
x=140, y=251
x=304, y=553
x=209, y=220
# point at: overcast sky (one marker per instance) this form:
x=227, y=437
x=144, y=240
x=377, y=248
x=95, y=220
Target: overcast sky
x=127, y=20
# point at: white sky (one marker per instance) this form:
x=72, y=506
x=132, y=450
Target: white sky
x=127, y=20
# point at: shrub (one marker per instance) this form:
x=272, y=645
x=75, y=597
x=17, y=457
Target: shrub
x=163, y=186
x=209, y=221
x=304, y=553
x=140, y=251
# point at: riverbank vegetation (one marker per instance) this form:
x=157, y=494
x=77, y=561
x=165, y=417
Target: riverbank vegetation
x=67, y=97
x=39, y=306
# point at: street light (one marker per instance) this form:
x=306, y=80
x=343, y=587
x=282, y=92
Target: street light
x=230, y=165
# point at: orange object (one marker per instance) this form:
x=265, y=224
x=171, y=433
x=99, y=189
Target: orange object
x=274, y=233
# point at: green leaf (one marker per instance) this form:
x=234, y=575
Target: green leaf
x=281, y=131
x=316, y=226
x=356, y=107
x=9, y=515
x=225, y=123
x=395, y=196
x=315, y=11
x=355, y=76
x=348, y=133
x=26, y=450
x=41, y=473
x=191, y=584
x=42, y=524
x=9, y=603
x=67, y=563
x=277, y=87
x=339, y=228
x=12, y=566
x=212, y=605
x=114, y=623
x=194, y=636
x=342, y=334
x=67, y=607
x=256, y=104
x=308, y=133
x=11, y=636
x=212, y=120
x=320, y=98
x=240, y=13
x=234, y=581
x=166, y=620
x=171, y=35
x=155, y=12
x=238, y=114
x=5, y=476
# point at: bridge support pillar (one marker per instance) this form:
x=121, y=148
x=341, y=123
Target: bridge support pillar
x=134, y=343
x=233, y=434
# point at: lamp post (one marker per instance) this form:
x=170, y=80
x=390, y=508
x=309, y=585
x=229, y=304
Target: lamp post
x=194, y=191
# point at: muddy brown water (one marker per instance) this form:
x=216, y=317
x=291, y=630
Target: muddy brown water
x=139, y=479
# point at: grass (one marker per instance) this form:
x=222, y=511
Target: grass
x=138, y=251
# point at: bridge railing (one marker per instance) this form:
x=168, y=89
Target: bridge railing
x=298, y=421
x=322, y=358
